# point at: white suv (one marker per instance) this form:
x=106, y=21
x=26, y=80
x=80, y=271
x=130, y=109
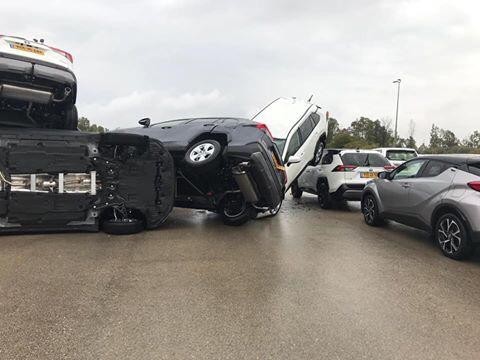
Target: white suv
x=397, y=156
x=341, y=175
x=299, y=129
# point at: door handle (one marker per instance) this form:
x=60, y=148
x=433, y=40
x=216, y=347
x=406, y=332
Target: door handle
x=405, y=185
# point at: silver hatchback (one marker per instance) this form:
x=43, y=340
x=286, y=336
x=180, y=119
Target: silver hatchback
x=439, y=194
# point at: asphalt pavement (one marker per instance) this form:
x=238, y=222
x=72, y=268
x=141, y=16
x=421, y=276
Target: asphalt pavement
x=307, y=284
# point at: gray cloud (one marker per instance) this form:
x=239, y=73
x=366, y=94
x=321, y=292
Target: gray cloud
x=175, y=58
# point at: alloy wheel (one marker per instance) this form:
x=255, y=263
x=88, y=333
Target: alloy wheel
x=202, y=152
x=369, y=210
x=449, y=235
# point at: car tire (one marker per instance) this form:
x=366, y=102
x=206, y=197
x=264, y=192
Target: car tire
x=370, y=211
x=122, y=226
x=71, y=118
x=235, y=211
x=318, y=152
x=452, y=237
x=203, y=153
x=296, y=191
x=325, y=200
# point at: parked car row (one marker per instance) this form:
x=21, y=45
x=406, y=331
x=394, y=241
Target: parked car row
x=438, y=194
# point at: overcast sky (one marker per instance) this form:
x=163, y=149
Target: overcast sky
x=178, y=58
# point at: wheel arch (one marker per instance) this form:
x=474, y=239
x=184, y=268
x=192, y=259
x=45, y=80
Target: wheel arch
x=446, y=208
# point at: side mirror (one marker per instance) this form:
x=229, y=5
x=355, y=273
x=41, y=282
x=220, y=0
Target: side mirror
x=384, y=175
x=145, y=122
x=293, y=160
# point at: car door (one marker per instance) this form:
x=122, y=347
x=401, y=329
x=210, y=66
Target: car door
x=429, y=187
x=309, y=178
x=394, y=191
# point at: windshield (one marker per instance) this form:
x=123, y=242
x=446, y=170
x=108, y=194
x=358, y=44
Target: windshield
x=280, y=144
x=364, y=159
x=401, y=155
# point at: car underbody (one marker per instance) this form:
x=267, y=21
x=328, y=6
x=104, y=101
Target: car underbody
x=66, y=180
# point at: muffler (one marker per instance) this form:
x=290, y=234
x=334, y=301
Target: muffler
x=24, y=94
x=244, y=183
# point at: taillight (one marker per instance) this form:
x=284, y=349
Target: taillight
x=475, y=185
x=265, y=129
x=344, y=168
x=63, y=53
x=389, y=167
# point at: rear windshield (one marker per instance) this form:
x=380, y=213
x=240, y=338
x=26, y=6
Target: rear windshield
x=401, y=155
x=280, y=144
x=364, y=159
x=474, y=169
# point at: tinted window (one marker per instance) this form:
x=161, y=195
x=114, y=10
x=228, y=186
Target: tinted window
x=295, y=144
x=364, y=159
x=306, y=128
x=435, y=168
x=401, y=155
x=409, y=170
x=474, y=169
x=315, y=118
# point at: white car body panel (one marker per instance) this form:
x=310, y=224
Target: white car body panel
x=308, y=181
x=384, y=152
x=40, y=52
x=284, y=117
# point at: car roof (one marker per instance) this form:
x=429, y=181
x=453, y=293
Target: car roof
x=457, y=159
x=365, y=151
x=394, y=148
x=282, y=114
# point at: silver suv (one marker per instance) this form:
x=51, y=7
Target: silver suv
x=439, y=194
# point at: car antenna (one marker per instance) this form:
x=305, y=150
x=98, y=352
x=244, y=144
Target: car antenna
x=310, y=98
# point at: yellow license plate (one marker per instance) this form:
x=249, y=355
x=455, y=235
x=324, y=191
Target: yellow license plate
x=368, y=175
x=27, y=48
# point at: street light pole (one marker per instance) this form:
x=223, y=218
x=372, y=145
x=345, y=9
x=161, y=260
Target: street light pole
x=398, y=81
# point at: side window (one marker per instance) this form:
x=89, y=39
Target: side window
x=306, y=128
x=408, y=170
x=327, y=158
x=295, y=144
x=315, y=118
x=435, y=168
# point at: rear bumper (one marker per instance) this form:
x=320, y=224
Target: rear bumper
x=24, y=72
x=352, y=192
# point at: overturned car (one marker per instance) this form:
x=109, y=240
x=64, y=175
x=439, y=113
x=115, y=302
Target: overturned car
x=227, y=165
x=53, y=180
x=37, y=85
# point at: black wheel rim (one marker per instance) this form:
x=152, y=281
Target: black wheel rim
x=449, y=235
x=369, y=210
x=234, y=206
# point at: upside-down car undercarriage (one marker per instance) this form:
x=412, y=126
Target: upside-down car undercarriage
x=66, y=180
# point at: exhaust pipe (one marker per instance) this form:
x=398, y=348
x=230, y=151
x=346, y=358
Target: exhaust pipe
x=24, y=94
x=245, y=184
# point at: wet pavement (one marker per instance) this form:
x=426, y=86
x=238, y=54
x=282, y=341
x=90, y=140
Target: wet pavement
x=305, y=284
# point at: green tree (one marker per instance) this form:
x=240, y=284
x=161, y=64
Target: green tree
x=84, y=125
x=333, y=129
